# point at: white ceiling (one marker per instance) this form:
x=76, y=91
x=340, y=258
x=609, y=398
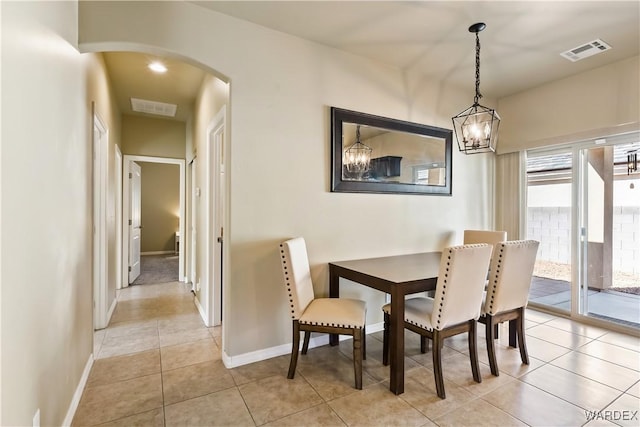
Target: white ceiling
x=521, y=45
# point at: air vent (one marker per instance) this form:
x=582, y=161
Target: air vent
x=153, y=107
x=586, y=50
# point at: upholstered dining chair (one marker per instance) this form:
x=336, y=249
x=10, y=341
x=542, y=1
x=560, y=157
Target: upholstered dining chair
x=461, y=279
x=508, y=293
x=326, y=315
x=484, y=236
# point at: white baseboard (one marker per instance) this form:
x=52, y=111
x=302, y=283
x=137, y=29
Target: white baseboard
x=201, y=311
x=111, y=310
x=268, y=353
x=157, y=253
x=75, y=401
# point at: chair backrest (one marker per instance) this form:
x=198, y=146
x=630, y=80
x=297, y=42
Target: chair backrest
x=461, y=279
x=484, y=236
x=511, y=274
x=297, y=275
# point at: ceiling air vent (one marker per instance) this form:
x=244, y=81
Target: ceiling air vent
x=153, y=107
x=586, y=50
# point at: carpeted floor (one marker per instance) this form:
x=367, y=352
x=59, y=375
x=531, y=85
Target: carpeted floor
x=157, y=269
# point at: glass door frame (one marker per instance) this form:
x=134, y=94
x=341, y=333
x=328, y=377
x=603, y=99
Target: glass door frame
x=579, y=302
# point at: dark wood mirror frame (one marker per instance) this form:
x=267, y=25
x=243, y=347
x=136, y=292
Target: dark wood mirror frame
x=338, y=184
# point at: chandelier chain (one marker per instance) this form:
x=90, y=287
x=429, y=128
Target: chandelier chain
x=478, y=94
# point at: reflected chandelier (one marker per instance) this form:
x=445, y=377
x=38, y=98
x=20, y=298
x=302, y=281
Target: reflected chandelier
x=357, y=157
x=476, y=127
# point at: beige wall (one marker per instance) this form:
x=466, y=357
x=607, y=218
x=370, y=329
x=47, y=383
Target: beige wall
x=146, y=136
x=47, y=89
x=160, y=206
x=592, y=104
x=278, y=162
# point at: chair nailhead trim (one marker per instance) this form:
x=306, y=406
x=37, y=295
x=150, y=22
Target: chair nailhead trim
x=287, y=281
x=335, y=325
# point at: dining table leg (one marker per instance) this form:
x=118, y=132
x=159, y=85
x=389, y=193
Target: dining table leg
x=334, y=292
x=396, y=380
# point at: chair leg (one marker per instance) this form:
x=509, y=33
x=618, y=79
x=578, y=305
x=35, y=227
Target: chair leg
x=358, y=336
x=437, y=364
x=295, y=347
x=495, y=331
x=521, y=340
x=385, y=341
x=424, y=345
x=491, y=348
x=473, y=351
x=305, y=343
x=364, y=343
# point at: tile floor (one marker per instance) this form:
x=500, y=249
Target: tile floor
x=157, y=365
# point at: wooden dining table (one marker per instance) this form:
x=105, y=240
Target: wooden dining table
x=397, y=276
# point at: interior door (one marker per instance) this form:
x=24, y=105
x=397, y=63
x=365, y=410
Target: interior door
x=195, y=194
x=219, y=209
x=100, y=261
x=135, y=226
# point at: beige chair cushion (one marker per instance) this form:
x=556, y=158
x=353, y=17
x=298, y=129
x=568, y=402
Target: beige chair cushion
x=417, y=311
x=340, y=312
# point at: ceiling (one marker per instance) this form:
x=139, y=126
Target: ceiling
x=520, y=48
x=131, y=78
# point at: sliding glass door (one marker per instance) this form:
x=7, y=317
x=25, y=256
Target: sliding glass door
x=549, y=210
x=583, y=205
x=610, y=235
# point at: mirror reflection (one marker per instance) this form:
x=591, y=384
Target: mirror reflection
x=373, y=154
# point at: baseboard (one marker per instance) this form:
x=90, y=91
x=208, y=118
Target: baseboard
x=200, y=310
x=269, y=353
x=157, y=253
x=78, y=394
x=111, y=310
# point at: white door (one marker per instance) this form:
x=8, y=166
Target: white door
x=135, y=227
x=219, y=201
x=100, y=159
x=195, y=193
x=215, y=217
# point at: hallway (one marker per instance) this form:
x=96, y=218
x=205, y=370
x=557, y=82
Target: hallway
x=157, y=365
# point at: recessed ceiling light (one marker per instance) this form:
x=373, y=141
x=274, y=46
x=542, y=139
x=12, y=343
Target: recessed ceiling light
x=158, y=67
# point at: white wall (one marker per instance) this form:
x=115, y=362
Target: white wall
x=281, y=91
x=596, y=103
x=46, y=212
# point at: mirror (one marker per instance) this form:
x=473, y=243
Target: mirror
x=375, y=154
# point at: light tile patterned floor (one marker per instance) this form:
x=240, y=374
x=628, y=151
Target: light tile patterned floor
x=157, y=365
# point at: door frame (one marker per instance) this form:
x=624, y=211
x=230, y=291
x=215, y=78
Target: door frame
x=118, y=213
x=100, y=165
x=215, y=214
x=125, y=210
x=192, y=235
x=578, y=200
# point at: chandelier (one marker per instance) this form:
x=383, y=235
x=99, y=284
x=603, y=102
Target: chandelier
x=476, y=127
x=632, y=162
x=357, y=157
